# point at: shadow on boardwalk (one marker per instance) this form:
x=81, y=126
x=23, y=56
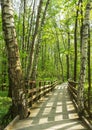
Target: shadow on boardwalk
x=54, y=112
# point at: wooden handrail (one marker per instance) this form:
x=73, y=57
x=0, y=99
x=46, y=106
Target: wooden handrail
x=72, y=89
x=36, y=92
x=74, y=92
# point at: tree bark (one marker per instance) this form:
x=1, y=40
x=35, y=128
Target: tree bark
x=58, y=48
x=30, y=25
x=89, y=71
x=38, y=45
x=67, y=58
x=83, y=60
x=81, y=28
x=23, y=33
x=19, y=103
x=31, y=55
x=75, y=43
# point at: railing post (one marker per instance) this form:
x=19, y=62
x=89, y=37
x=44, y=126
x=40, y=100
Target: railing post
x=35, y=93
x=30, y=85
x=34, y=84
x=44, y=87
x=51, y=85
x=44, y=83
x=40, y=83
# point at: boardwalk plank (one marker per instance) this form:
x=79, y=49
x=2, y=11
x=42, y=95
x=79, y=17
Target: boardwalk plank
x=54, y=112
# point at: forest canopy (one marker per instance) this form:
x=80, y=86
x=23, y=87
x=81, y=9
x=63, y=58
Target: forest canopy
x=45, y=40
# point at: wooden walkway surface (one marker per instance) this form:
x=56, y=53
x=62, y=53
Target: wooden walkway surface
x=54, y=112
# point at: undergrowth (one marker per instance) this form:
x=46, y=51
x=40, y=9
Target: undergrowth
x=5, y=103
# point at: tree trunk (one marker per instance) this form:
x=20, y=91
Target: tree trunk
x=38, y=45
x=58, y=48
x=67, y=58
x=75, y=43
x=89, y=73
x=31, y=55
x=81, y=28
x=23, y=34
x=30, y=24
x=83, y=60
x=19, y=103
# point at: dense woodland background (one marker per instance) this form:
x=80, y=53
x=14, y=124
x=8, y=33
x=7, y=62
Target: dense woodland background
x=50, y=38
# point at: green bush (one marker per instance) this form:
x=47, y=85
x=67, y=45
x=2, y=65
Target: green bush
x=5, y=103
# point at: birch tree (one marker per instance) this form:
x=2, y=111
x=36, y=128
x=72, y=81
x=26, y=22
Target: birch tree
x=31, y=55
x=83, y=59
x=38, y=44
x=19, y=104
x=75, y=42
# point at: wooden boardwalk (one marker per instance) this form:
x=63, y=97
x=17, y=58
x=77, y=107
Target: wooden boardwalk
x=54, y=112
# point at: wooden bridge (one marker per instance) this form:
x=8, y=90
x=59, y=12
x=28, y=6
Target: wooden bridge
x=54, y=111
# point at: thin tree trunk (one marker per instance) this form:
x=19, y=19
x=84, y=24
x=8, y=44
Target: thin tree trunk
x=58, y=48
x=61, y=64
x=24, y=16
x=36, y=55
x=81, y=28
x=30, y=26
x=23, y=33
x=19, y=103
x=29, y=68
x=75, y=43
x=67, y=58
x=29, y=32
x=42, y=58
x=83, y=60
x=89, y=72
x=56, y=61
x=34, y=69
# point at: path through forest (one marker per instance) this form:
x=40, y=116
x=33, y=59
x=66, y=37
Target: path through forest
x=54, y=112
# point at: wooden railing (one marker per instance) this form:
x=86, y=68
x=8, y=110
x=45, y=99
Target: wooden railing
x=38, y=90
x=74, y=92
x=35, y=91
x=72, y=89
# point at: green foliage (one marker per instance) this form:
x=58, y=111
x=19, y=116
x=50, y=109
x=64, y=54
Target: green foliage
x=3, y=59
x=5, y=103
x=60, y=21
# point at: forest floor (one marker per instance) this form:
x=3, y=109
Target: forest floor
x=54, y=112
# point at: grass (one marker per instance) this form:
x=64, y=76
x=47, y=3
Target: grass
x=5, y=103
